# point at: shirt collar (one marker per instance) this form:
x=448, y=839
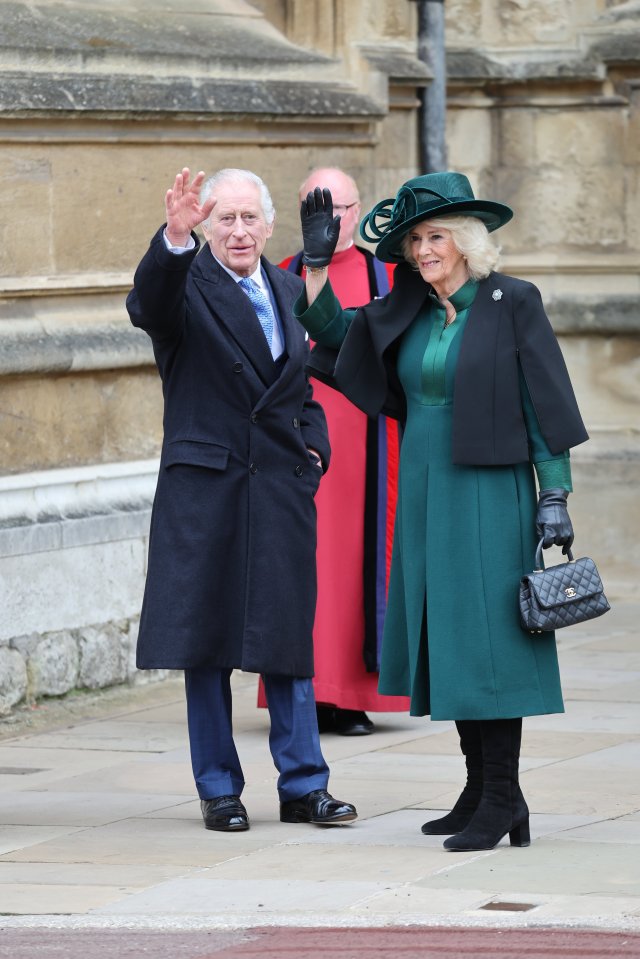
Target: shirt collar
x=256, y=276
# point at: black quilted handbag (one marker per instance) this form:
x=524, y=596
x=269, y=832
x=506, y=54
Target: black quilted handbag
x=561, y=595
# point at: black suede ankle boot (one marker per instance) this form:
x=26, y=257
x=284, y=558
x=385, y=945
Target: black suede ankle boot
x=467, y=802
x=502, y=808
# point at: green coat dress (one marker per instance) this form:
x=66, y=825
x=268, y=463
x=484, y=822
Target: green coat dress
x=464, y=535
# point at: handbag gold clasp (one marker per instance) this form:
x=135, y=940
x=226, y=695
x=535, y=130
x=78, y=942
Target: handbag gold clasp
x=570, y=592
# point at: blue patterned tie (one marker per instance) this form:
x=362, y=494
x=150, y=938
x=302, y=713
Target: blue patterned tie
x=261, y=305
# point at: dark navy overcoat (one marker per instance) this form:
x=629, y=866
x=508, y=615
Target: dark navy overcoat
x=231, y=578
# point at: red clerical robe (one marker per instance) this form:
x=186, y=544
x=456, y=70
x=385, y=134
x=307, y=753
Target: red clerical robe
x=341, y=676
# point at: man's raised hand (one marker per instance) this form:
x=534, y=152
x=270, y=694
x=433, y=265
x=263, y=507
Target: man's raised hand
x=183, y=209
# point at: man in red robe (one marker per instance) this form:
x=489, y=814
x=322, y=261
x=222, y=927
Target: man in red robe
x=355, y=503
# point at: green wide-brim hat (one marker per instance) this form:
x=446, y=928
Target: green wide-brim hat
x=424, y=198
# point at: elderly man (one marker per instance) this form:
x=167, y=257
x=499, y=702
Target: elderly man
x=355, y=504
x=231, y=580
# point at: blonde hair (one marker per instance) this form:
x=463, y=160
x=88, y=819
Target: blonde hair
x=470, y=237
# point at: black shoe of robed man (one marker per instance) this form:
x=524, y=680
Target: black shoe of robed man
x=224, y=813
x=352, y=722
x=326, y=718
x=318, y=807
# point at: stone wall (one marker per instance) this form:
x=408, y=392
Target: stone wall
x=73, y=548
x=101, y=104
x=92, y=131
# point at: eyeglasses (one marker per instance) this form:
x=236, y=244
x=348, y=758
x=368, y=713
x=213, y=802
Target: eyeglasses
x=340, y=209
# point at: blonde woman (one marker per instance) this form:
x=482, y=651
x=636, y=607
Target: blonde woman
x=466, y=359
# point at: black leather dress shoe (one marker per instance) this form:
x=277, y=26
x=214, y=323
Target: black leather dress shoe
x=318, y=807
x=351, y=722
x=224, y=813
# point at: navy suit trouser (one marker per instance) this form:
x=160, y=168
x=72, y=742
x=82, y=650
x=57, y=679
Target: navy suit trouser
x=293, y=740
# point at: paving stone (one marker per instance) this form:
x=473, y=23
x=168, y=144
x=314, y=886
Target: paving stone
x=99, y=818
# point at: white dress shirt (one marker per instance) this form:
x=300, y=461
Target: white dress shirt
x=277, y=342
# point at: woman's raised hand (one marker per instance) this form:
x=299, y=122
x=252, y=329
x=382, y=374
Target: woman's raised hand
x=183, y=209
x=320, y=229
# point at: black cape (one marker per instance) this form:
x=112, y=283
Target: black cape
x=507, y=329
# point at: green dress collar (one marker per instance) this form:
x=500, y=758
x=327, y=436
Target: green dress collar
x=462, y=298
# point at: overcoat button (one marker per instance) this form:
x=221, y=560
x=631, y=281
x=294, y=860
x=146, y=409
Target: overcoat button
x=237, y=367
x=254, y=417
x=253, y=468
x=295, y=422
x=299, y=471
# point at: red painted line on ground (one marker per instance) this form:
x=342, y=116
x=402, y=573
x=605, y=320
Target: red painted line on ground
x=292, y=943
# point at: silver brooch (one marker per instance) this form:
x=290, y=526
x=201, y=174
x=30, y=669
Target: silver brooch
x=497, y=294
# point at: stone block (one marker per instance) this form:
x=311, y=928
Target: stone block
x=632, y=212
x=464, y=22
x=571, y=139
x=25, y=645
x=53, y=665
x=391, y=20
x=29, y=346
x=25, y=182
x=594, y=313
x=605, y=525
x=20, y=539
x=68, y=420
x=102, y=656
x=469, y=138
x=631, y=150
x=623, y=46
x=100, y=582
x=555, y=210
x=525, y=23
x=13, y=679
x=102, y=189
x=141, y=677
x=605, y=372
x=84, y=531
x=516, y=136
x=398, y=141
x=130, y=642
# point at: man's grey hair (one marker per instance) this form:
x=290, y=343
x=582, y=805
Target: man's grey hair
x=232, y=175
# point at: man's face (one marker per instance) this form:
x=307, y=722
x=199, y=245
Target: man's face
x=345, y=201
x=237, y=230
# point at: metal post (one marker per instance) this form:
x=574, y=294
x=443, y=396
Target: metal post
x=433, y=98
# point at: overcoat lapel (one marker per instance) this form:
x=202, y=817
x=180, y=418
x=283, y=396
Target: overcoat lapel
x=233, y=311
x=285, y=294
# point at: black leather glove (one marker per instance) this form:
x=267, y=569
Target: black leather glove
x=553, y=525
x=320, y=229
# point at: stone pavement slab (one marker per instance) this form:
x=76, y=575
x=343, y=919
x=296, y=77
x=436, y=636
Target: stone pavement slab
x=100, y=829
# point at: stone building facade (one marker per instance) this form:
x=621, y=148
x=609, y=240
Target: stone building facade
x=100, y=104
